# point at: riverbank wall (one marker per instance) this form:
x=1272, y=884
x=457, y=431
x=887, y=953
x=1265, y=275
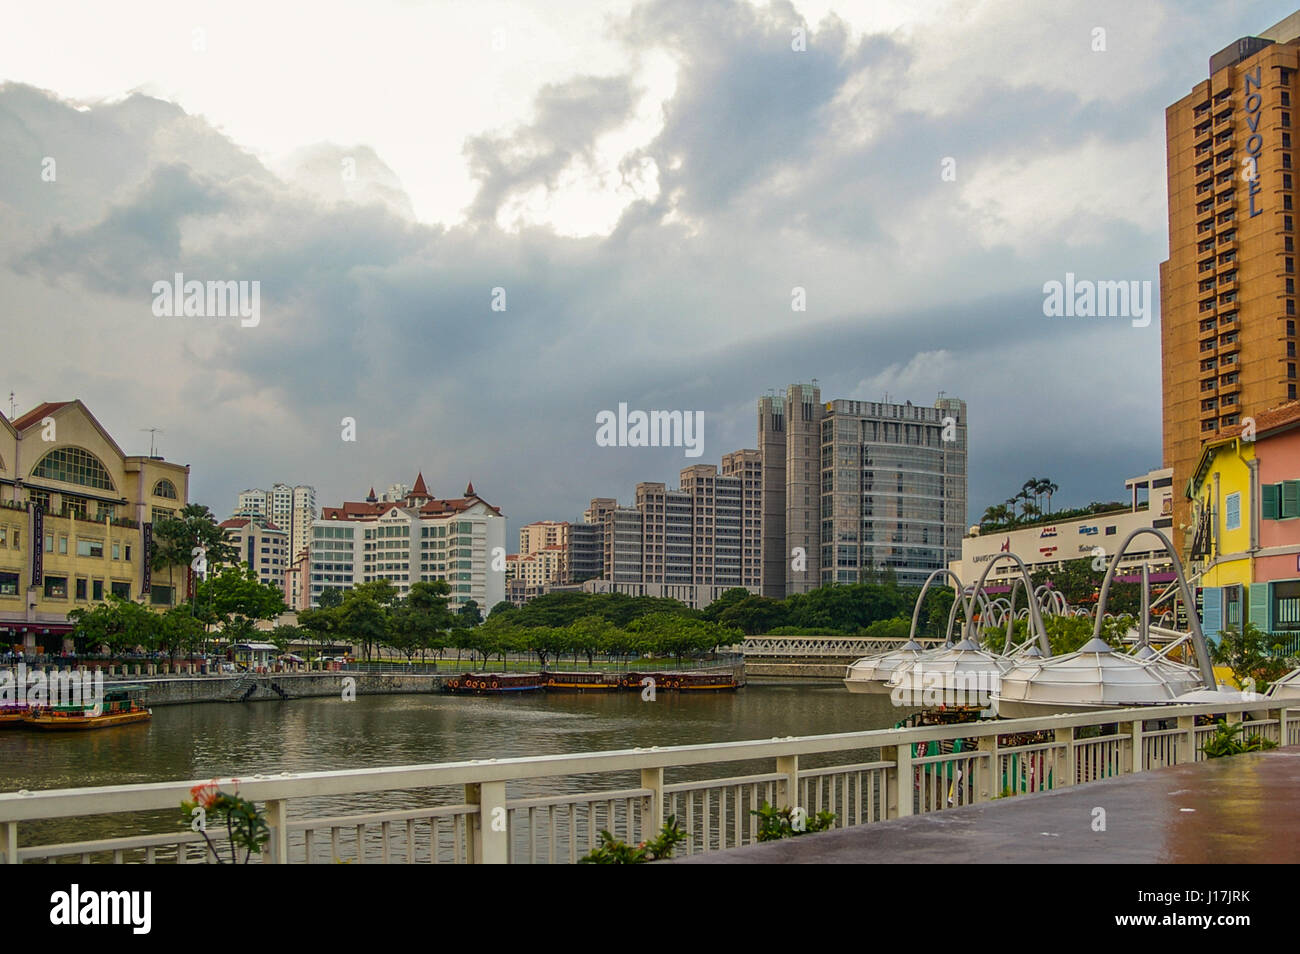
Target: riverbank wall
x=181, y=690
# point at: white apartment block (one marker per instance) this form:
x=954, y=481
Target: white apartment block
x=419, y=538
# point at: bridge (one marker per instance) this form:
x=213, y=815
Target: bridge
x=548, y=809
x=816, y=657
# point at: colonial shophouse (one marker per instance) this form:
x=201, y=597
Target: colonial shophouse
x=76, y=513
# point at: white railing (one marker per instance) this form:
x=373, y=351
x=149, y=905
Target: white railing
x=463, y=813
x=829, y=647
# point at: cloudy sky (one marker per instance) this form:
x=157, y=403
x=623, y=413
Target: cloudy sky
x=647, y=181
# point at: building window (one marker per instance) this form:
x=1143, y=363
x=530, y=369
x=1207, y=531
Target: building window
x=81, y=589
x=97, y=590
x=63, y=545
x=121, y=589
x=1286, y=605
x=1232, y=512
x=165, y=488
x=8, y=584
x=1232, y=605
x=90, y=548
x=56, y=587
x=72, y=465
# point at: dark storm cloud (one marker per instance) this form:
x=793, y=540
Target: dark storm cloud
x=368, y=314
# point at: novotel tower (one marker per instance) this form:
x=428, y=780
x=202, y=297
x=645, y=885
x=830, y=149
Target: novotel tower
x=1228, y=290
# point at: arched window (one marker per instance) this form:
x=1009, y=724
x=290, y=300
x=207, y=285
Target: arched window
x=165, y=488
x=72, y=465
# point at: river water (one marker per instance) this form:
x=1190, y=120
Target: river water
x=222, y=739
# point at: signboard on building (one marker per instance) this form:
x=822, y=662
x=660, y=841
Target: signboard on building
x=38, y=544
x=146, y=571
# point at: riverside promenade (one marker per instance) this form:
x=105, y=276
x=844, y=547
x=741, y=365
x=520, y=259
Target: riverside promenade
x=1243, y=809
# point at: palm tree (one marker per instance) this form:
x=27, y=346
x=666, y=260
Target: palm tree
x=1049, y=488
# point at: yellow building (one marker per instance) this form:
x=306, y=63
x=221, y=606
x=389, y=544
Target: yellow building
x=1245, y=526
x=75, y=515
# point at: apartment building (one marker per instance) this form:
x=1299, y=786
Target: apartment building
x=417, y=538
x=264, y=547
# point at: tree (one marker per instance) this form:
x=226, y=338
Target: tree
x=179, y=631
x=363, y=617
x=330, y=597
x=119, y=624
x=174, y=539
x=238, y=600
x=429, y=601
x=469, y=614
x=321, y=625
x=1250, y=657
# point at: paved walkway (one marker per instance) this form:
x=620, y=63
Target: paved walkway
x=1242, y=809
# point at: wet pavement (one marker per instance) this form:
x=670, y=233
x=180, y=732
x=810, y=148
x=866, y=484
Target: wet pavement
x=1238, y=810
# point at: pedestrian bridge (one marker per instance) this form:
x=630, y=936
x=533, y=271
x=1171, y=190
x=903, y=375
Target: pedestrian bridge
x=825, y=657
x=551, y=809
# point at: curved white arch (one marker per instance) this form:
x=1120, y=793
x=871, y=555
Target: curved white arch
x=1036, y=617
x=1193, y=621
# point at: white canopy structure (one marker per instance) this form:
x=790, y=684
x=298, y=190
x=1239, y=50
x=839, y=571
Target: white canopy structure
x=1096, y=676
x=1286, y=689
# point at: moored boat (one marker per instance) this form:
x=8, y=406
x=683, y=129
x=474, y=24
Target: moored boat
x=582, y=682
x=121, y=705
x=707, y=681
x=11, y=716
x=495, y=682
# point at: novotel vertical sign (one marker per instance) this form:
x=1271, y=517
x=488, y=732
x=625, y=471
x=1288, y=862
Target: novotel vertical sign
x=1254, y=144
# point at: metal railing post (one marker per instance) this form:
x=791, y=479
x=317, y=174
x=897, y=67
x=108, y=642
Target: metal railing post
x=1133, y=730
x=1065, y=745
x=653, y=820
x=489, y=829
x=787, y=787
x=990, y=782
x=901, y=794
x=1185, y=751
x=277, y=819
x=9, y=842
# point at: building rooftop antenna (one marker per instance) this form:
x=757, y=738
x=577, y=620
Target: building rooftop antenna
x=13, y=406
x=152, y=432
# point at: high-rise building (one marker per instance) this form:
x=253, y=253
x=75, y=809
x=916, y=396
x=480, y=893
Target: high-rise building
x=292, y=509
x=419, y=538
x=1227, y=291
x=747, y=467
x=852, y=488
